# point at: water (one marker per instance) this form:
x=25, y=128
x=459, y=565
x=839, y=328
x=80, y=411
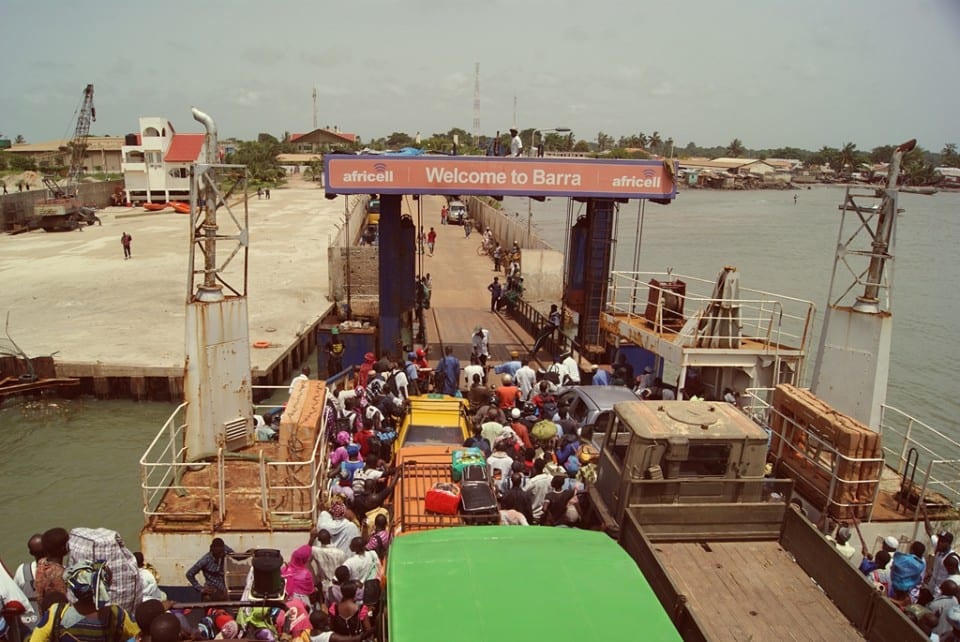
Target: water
x=75, y=463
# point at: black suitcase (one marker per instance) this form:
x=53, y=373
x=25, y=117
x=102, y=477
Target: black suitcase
x=478, y=504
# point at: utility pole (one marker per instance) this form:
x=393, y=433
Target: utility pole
x=314, y=107
x=515, y=111
x=476, y=105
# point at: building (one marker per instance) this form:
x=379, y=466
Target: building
x=951, y=175
x=320, y=140
x=156, y=162
x=102, y=155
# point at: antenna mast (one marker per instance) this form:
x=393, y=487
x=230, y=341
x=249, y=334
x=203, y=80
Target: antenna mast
x=476, y=105
x=314, y=107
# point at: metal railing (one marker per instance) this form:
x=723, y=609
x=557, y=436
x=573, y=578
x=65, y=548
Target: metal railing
x=774, y=321
x=800, y=443
x=288, y=490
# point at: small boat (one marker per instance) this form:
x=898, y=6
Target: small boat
x=155, y=207
x=180, y=207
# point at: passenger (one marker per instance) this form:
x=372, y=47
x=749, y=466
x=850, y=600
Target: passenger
x=148, y=580
x=568, y=425
x=499, y=463
x=379, y=541
x=449, y=367
x=363, y=372
x=321, y=632
x=940, y=606
x=24, y=576
x=50, y=570
x=509, y=367
x=567, y=448
x=569, y=370
x=297, y=576
x=526, y=378
x=212, y=564
x=480, y=341
x=555, y=503
x=880, y=576
x=953, y=619
x=341, y=529
x=413, y=374
x=545, y=402
x=364, y=565
x=647, y=379
x=480, y=416
x=303, y=376
x=622, y=372
x=472, y=370
x=478, y=441
x=353, y=462
x=508, y=395
x=493, y=426
x=371, y=498
x=942, y=544
x=600, y=376
x=537, y=487
x=145, y=613
x=843, y=545
x=520, y=428
x=421, y=357
x=327, y=556
x=91, y=616
x=165, y=628
x=478, y=394
x=516, y=499
x=334, y=350
x=347, y=617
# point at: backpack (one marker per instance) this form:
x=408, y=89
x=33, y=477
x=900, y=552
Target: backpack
x=346, y=422
x=391, y=385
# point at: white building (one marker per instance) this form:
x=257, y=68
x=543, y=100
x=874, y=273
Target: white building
x=156, y=162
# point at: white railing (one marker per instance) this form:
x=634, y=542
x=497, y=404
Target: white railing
x=289, y=489
x=774, y=321
x=933, y=472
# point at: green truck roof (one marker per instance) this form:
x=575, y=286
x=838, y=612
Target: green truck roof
x=504, y=583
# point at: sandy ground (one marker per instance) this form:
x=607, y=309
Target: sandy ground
x=72, y=293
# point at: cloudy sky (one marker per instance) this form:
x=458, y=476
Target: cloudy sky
x=772, y=73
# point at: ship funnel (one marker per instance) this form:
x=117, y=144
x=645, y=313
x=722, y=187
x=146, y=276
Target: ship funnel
x=211, y=127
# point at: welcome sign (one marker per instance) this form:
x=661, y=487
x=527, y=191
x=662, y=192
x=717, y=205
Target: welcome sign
x=462, y=175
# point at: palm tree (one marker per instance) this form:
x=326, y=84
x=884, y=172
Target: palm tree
x=669, y=146
x=949, y=156
x=847, y=156
x=655, y=142
x=735, y=148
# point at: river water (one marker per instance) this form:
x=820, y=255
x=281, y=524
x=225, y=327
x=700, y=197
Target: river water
x=74, y=463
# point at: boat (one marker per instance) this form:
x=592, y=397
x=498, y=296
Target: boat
x=180, y=207
x=155, y=207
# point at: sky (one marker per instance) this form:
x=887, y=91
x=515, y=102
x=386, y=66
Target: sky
x=769, y=72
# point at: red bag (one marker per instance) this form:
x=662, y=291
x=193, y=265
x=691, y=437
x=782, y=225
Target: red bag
x=443, y=498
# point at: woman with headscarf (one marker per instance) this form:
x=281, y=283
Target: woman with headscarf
x=341, y=529
x=298, y=576
x=91, y=618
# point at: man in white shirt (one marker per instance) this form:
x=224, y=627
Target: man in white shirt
x=481, y=344
x=327, y=556
x=24, y=576
x=341, y=529
x=303, y=376
x=516, y=145
x=569, y=370
x=473, y=369
x=537, y=487
x=526, y=379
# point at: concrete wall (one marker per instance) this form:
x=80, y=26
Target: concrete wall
x=18, y=206
x=364, y=277
x=541, y=265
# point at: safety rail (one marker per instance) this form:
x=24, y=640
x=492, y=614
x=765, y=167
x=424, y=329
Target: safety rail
x=774, y=321
x=817, y=454
x=288, y=488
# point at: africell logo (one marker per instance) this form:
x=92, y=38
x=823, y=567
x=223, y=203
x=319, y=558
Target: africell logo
x=380, y=174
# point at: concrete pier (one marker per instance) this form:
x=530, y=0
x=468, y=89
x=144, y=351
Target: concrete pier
x=118, y=324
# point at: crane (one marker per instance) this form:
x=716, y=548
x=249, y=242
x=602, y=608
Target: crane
x=63, y=211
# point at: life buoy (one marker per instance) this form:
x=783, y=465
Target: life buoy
x=261, y=344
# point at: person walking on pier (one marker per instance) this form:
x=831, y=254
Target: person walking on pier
x=449, y=368
x=496, y=291
x=481, y=345
x=125, y=241
x=516, y=145
x=431, y=240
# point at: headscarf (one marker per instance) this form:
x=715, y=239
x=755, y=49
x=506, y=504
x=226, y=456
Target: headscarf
x=299, y=578
x=370, y=357
x=338, y=510
x=343, y=438
x=90, y=580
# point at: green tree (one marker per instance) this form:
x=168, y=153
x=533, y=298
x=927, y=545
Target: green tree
x=668, y=146
x=399, y=139
x=824, y=156
x=916, y=168
x=260, y=157
x=19, y=140
x=881, y=154
x=735, y=148
x=847, y=159
x=655, y=142
x=604, y=141
x=581, y=146
x=314, y=170
x=949, y=156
